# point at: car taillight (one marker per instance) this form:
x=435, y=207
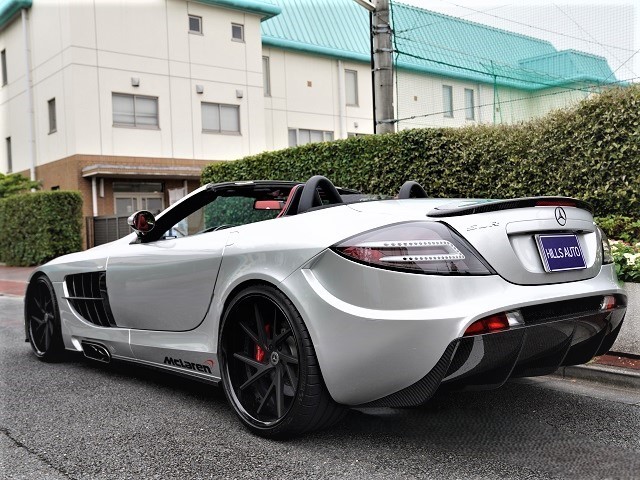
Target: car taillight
x=415, y=247
x=607, y=257
x=556, y=203
x=490, y=324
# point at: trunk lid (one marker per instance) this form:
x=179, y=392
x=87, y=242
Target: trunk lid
x=507, y=235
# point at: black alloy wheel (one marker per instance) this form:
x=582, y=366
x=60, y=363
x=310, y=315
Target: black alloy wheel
x=43, y=320
x=269, y=369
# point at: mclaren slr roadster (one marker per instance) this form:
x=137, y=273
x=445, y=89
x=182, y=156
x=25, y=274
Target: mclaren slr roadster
x=303, y=299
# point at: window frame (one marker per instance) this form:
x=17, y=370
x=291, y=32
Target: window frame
x=53, y=120
x=266, y=75
x=199, y=18
x=469, y=107
x=3, y=67
x=327, y=135
x=447, y=106
x=135, y=116
x=236, y=39
x=348, y=71
x=220, y=131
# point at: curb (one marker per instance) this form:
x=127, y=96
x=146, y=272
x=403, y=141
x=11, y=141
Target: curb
x=615, y=376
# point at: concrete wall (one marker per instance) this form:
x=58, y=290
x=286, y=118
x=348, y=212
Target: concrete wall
x=82, y=52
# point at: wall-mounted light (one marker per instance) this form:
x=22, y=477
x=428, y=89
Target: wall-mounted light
x=239, y=94
x=355, y=125
x=135, y=82
x=199, y=88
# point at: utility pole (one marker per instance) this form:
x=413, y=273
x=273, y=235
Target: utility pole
x=381, y=64
x=382, y=68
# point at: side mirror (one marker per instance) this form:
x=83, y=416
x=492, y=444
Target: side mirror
x=142, y=222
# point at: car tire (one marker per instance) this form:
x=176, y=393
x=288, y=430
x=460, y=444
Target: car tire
x=269, y=368
x=42, y=320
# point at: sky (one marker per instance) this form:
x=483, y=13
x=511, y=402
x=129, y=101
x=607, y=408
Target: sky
x=610, y=29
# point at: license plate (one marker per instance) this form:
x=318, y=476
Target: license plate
x=560, y=252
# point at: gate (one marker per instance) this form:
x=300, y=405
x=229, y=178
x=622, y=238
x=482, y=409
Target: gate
x=106, y=229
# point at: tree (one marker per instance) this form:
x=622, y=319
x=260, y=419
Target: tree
x=14, y=183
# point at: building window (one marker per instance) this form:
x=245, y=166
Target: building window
x=217, y=118
x=469, y=104
x=351, y=80
x=135, y=111
x=266, y=77
x=301, y=136
x=9, y=158
x=237, y=32
x=447, y=100
x=195, y=24
x=3, y=62
x=53, y=127
x=129, y=197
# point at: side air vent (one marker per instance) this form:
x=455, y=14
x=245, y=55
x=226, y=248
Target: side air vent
x=88, y=296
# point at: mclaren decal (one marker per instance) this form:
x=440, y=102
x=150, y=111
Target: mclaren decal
x=178, y=362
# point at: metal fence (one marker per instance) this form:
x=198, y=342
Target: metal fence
x=106, y=229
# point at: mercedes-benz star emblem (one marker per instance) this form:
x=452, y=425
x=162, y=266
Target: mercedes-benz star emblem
x=561, y=216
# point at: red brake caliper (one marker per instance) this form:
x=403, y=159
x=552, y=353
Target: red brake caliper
x=259, y=352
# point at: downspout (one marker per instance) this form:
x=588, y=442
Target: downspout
x=94, y=196
x=29, y=91
x=342, y=101
x=479, y=103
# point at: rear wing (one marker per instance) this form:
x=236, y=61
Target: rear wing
x=470, y=207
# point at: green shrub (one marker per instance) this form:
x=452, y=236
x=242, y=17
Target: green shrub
x=37, y=227
x=591, y=152
x=620, y=227
x=627, y=259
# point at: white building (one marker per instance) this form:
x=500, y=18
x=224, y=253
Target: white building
x=127, y=101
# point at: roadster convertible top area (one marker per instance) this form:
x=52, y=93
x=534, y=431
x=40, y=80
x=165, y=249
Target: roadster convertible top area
x=302, y=299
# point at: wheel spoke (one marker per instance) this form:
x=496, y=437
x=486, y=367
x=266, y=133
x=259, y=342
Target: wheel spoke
x=252, y=336
x=277, y=341
x=38, y=321
x=38, y=305
x=292, y=377
x=266, y=397
x=288, y=358
x=261, y=368
x=279, y=392
x=260, y=325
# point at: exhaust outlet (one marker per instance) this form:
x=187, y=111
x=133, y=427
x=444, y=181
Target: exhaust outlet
x=95, y=351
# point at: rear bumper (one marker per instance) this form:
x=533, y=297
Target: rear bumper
x=488, y=361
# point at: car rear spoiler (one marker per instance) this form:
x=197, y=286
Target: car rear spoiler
x=483, y=206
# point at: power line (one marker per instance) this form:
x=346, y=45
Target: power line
x=478, y=57
x=513, y=100
x=494, y=74
x=538, y=28
x=588, y=33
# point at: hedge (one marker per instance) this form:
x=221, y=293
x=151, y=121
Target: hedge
x=591, y=152
x=37, y=227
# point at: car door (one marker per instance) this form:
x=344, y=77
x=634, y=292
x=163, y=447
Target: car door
x=165, y=280
x=165, y=285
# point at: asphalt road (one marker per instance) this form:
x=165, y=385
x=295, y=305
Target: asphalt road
x=81, y=420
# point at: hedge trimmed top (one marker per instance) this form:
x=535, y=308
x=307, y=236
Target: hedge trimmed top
x=591, y=152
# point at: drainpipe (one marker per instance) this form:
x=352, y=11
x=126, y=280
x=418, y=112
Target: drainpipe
x=342, y=101
x=94, y=196
x=29, y=91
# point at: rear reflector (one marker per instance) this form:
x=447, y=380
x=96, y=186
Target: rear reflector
x=489, y=324
x=608, y=302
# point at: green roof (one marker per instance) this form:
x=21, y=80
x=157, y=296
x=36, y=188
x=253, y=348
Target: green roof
x=10, y=8
x=433, y=43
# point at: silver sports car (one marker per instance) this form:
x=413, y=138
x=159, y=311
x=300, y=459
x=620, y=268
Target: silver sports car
x=303, y=299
